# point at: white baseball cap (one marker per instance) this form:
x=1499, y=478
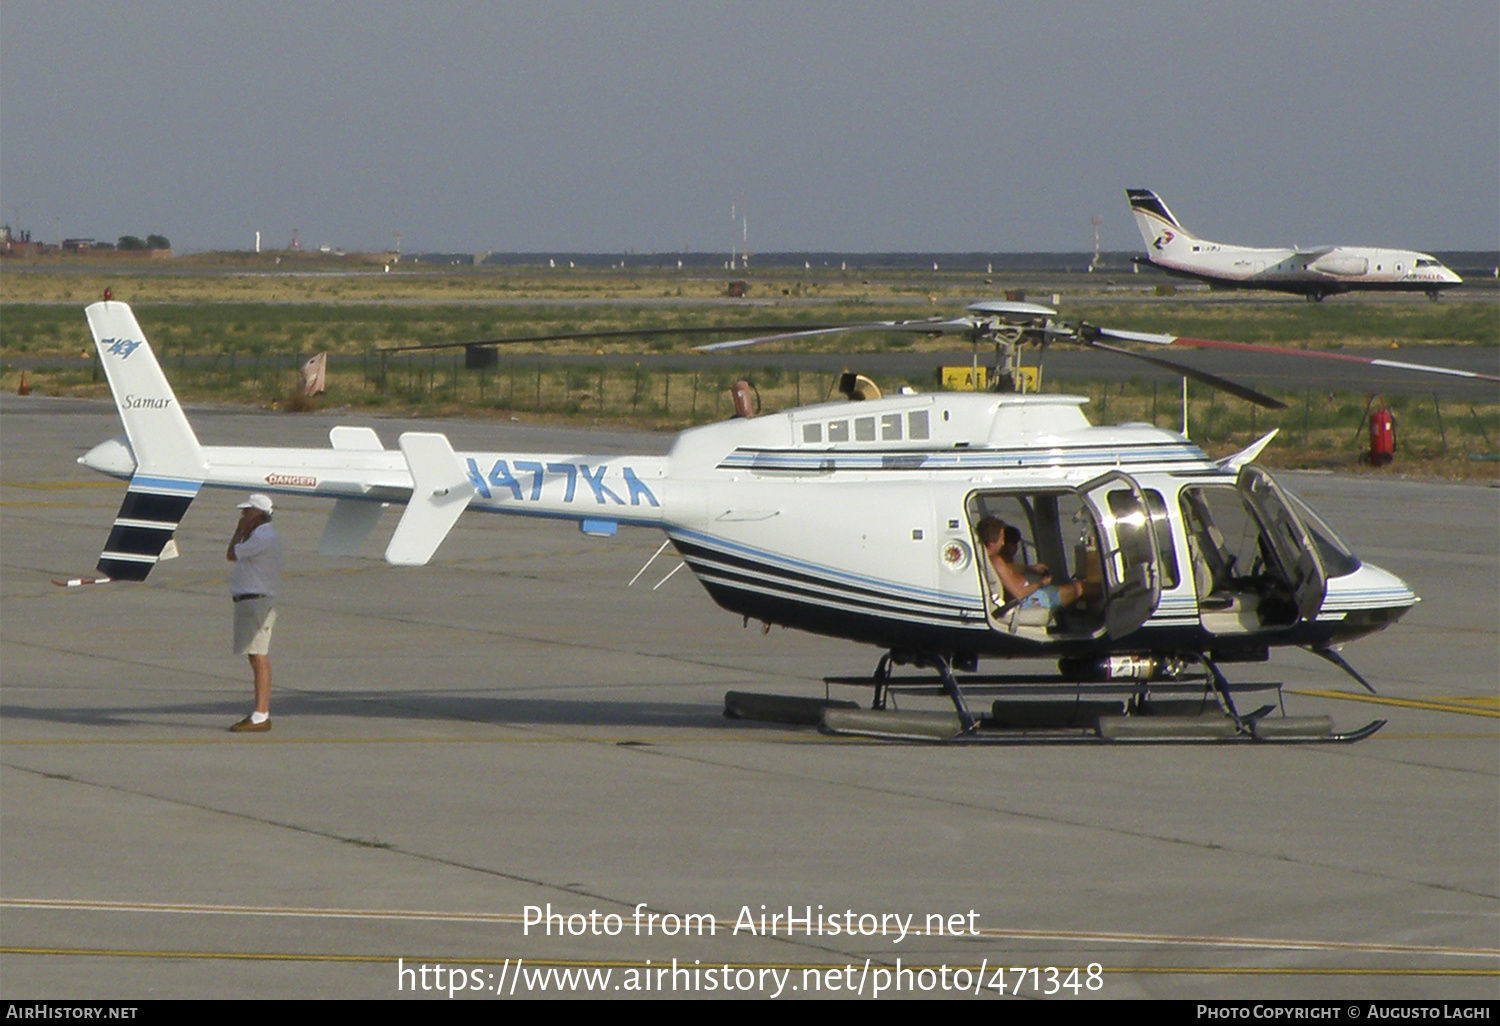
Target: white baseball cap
x=258, y=500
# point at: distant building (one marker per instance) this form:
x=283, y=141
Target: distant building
x=17, y=244
x=14, y=243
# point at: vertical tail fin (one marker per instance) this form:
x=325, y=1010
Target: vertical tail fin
x=1159, y=229
x=159, y=433
x=169, y=463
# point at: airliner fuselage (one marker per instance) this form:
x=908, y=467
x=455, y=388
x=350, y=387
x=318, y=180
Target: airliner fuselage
x=1314, y=273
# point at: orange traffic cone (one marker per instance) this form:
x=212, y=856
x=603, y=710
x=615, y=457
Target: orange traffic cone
x=25, y=389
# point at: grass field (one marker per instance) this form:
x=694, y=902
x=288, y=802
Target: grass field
x=238, y=334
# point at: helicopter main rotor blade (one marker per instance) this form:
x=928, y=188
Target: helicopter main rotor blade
x=1212, y=380
x=1138, y=336
x=614, y=333
x=1249, y=347
x=932, y=327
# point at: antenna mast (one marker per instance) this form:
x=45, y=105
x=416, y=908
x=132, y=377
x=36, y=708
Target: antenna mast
x=739, y=216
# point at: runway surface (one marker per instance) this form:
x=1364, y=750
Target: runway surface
x=512, y=727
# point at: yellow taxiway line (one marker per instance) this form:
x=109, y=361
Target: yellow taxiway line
x=990, y=933
x=1466, y=705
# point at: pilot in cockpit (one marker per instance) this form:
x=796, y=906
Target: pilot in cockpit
x=1001, y=543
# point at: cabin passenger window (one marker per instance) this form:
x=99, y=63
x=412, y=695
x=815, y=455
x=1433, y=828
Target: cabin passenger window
x=890, y=427
x=812, y=433
x=1123, y=505
x=864, y=429
x=916, y=424
x=838, y=431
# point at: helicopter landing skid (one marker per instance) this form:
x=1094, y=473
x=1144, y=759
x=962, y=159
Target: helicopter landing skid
x=1042, y=709
x=882, y=722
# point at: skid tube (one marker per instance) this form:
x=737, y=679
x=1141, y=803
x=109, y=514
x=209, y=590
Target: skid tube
x=1054, y=709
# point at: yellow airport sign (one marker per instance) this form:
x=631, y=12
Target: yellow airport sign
x=962, y=379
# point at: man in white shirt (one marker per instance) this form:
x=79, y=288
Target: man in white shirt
x=255, y=551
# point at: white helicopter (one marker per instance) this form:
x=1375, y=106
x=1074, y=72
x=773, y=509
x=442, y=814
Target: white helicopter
x=1314, y=273
x=860, y=520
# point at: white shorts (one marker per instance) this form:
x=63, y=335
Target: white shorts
x=253, y=620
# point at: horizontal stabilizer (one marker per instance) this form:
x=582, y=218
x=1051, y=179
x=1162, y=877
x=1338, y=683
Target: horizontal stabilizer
x=440, y=492
x=354, y=439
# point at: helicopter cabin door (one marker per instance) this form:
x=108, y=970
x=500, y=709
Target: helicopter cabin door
x=1098, y=543
x=1287, y=541
x=1129, y=558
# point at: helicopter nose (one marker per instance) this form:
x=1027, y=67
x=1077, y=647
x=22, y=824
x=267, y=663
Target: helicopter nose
x=1368, y=599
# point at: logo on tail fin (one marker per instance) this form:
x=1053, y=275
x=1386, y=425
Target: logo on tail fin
x=121, y=347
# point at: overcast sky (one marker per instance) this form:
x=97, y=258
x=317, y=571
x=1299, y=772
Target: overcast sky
x=972, y=125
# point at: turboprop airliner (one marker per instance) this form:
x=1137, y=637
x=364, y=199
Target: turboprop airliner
x=1314, y=273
